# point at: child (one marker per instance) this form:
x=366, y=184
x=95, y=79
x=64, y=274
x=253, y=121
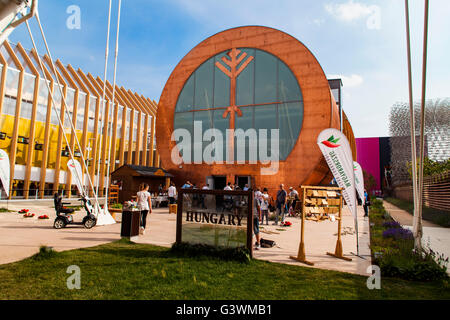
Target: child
x=265, y=206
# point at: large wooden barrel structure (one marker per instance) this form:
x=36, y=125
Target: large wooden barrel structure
x=250, y=77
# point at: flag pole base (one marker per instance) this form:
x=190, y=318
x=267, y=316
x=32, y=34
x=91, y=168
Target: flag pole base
x=309, y=263
x=339, y=256
x=358, y=255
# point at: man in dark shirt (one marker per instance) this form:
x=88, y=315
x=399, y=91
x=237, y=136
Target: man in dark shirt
x=280, y=204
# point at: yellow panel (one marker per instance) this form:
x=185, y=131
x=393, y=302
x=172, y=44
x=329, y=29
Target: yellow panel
x=6, y=125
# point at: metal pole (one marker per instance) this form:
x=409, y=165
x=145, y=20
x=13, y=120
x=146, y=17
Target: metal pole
x=412, y=121
x=103, y=112
x=341, y=111
x=418, y=226
x=112, y=109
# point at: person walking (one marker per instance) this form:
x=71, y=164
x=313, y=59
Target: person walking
x=203, y=196
x=293, y=195
x=280, y=204
x=172, y=193
x=227, y=199
x=144, y=204
x=366, y=203
x=256, y=215
x=265, y=206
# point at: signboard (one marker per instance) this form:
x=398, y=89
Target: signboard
x=217, y=218
x=5, y=171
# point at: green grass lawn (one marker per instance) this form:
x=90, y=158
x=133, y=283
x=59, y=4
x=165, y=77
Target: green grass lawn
x=436, y=216
x=122, y=270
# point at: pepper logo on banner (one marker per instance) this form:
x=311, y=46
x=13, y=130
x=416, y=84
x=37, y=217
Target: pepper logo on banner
x=331, y=142
x=359, y=181
x=340, y=161
x=75, y=170
x=5, y=171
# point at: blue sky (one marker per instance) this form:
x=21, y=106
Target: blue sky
x=361, y=41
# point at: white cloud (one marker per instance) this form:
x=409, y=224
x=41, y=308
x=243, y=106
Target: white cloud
x=352, y=11
x=353, y=80
x=318, y=22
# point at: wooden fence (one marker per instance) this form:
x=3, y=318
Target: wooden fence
x=436, y=191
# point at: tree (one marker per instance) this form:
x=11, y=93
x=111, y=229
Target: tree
x=369, y=180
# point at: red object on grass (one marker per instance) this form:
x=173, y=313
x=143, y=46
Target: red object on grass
x=43, y=217
x=28, y=215
x=24, y=211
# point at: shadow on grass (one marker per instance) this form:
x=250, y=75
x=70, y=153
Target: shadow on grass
x=28, y=227
x=89, y=239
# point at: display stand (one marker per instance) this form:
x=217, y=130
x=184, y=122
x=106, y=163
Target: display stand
x=319, y=204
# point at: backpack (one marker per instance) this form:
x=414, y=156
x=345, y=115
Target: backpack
x=267, y=243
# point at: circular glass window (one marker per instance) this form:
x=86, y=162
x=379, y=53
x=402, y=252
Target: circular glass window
x=243, y=88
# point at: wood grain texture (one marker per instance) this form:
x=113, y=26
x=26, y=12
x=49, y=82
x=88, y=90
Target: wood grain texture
x=305, y=163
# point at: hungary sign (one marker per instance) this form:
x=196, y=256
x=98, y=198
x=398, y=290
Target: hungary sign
x=4, y=171
x=338, y=154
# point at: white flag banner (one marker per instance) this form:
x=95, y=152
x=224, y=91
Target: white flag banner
x=103, y=216
x=359, y=181
x=338, y=154
x=5, y=171
x=75, y=170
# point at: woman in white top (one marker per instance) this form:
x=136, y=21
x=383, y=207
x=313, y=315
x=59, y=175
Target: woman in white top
x=264, y=206
x=144, y=203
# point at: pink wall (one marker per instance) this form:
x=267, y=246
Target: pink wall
x=368, y=154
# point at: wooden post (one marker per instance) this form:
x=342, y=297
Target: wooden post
x=301, y=257
x=179, y=216
x=338, y=253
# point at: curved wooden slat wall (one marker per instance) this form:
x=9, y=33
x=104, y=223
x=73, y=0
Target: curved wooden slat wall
x=305, y=162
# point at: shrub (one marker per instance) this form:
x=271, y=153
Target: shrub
x=413, y=265
x=45, y=253
x=393, y=250
x=398, y=233
x=240, y=254
x=116, y=206
x=392, y=225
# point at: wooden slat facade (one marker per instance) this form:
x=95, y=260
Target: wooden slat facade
x=123, y=148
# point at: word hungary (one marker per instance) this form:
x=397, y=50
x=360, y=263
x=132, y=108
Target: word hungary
x=214, y=218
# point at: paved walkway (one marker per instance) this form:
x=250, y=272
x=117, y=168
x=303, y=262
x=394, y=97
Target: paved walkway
x=434, y=236
x=404, y=217
x=21, y=237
